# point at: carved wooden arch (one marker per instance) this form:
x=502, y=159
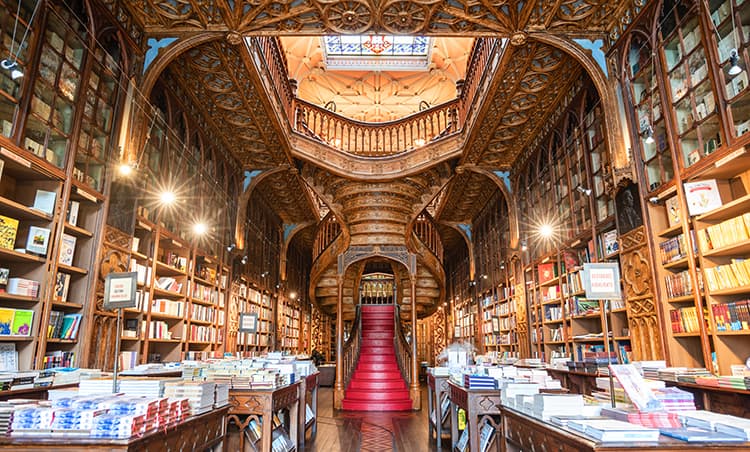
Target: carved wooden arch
x=244, y=199
x=510, y=199
x=605, y=88
x=286, y=240
x=395, y=253
x=469, y=246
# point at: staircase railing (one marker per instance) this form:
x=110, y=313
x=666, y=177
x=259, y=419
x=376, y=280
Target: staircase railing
x=328, y=230
x=427, y=233
x=352, y=347
x=402, y=347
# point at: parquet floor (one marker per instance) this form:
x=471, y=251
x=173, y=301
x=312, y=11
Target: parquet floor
x=353, y=431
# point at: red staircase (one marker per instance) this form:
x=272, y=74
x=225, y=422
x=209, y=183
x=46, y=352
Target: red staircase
x=376, y=384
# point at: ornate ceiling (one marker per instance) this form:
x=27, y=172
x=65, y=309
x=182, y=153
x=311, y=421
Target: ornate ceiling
x=376, y=96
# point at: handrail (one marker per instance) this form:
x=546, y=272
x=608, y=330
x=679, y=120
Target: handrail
x=275, y=63
x=427, y=233
x=351, y=348
x=381, y=139
x=402, y=347
x=328, y=230
x=476, y=72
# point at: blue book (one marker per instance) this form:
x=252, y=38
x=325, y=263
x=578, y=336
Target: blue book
x=697, y=435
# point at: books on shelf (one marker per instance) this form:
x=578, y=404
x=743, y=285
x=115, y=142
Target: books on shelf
x=610, y=243
x=62, y=285
x=547, y=272
x=63, y=326
x=702, y=196
x=732, y=316
x=8, y=232
x=73, y=213
x=610, y=430
x=8, y=358
x=16, y=322
x=67, y=249
x=38, y=240
x=23, y=287
x=44, y=201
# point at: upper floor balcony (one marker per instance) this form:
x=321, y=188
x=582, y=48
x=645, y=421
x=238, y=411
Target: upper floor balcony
x=328, y=133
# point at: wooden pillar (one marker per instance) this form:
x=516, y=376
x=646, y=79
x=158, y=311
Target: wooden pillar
x=338, y=392
x=414, y=392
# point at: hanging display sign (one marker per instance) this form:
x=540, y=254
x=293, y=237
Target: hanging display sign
x=602, y=281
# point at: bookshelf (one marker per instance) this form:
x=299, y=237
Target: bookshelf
x=290, y=325
x=253, y=300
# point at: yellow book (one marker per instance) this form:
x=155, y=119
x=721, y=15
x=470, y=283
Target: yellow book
x=8, y=231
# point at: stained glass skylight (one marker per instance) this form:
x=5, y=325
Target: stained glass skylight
x=377, y=52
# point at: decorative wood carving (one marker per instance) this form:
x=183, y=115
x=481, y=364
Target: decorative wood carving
x=439, y=338
x=522, y=324
x=642, y=307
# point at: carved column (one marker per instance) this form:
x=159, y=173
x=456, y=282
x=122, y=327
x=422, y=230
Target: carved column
x=338, y=392
x=414, y=392
x=643, y=316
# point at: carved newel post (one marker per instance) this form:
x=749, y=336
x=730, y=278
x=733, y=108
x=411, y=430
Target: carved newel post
x=338, y=390
x=414, y=393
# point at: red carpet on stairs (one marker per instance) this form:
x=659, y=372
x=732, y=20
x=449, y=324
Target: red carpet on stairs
x=377, y=384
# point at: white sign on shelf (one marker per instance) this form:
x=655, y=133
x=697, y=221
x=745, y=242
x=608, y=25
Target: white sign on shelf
x=602, y=281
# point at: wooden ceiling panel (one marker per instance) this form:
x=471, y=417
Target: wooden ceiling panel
x=284, y=191
x=467, y=194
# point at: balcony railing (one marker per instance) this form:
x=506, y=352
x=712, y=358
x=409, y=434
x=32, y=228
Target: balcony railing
x=375, y=139
x=328, y=230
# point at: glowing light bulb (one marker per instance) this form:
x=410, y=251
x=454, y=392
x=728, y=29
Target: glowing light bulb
x=200, y=228
x=546, y=230
x=167, y=197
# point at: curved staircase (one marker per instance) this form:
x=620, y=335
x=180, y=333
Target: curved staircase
x=377, y=384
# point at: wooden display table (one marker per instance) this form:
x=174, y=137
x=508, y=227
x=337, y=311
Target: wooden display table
x=261, y=404
x=39, y=393
x=721, y=400
x=577, y=382
x=480, y=406
x=525, y=433
x=198, y=433
x=308, y=390
x=437, y=386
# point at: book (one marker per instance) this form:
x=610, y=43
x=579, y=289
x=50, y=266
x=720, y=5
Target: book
x=67, y=249
x=609, y=242
x=702, y=196
x=4, y=275
x=22, y=322
x=38, y=240
x=695, y=434
x=546, y=272
x=73, y=213
x=62, y=284
x=45, y=201
x=8, y=358
x=8, y=231
x=6, y=321
x=610, y=430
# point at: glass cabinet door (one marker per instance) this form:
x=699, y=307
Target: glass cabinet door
x=52, y=110
x=15, y=65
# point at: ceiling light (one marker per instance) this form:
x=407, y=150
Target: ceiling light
x=124, y=169
x=12, y=66
x=546, y=230
x=293, y=295
x=734, y=60
x=419, y=142
x=200, y=228
x=167, y=197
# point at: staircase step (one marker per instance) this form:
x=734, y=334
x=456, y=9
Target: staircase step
x=377, y=396
x=369, y=375
x=377, y=308
x=376, y=336
x=377, y=367
x=394, y=385
x=379, y=343
x=358, y=405
x=377, y=358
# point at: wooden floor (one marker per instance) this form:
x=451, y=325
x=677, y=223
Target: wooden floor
x=354, y=431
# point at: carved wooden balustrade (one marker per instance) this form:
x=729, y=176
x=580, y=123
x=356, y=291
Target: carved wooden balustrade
x=427, y=233
x=351, y=348
x=328, y=230
x=476, y=71
x=377, y=290
x=376, y=139
x=403, y=349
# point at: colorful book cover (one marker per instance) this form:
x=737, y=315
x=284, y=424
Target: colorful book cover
x=67, y=249
x=38, y=240
x=8, y=231
x=702, y=196
x=546, y=272
x=22, y=322
x=673, y=210
x=609, y=242
x=45, y=201
x=6, y=321
x=62, y=283
x=4, y=275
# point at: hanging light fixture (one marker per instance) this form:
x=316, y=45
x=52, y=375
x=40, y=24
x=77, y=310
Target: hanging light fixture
x=11, y=63
x=734, y=54
x=376, y=44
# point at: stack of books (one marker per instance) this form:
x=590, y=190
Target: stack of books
x=724, y=423
x=32, y=420
x=200, y=394
x=653, y=419
x=479, y=382
x=221, y=395
x=117, y=426
x=548, y=405
x=675, y=399
x=611, y=430
x=144, y=387
x=6, y=418
x=100, y=385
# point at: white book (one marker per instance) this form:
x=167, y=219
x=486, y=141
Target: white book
x=67, y=249
x=38, y=240
x=73, y=213
x=45, y=201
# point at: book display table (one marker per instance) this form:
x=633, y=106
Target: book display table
x=436, y=387
x=259, y=405
x=525, y=433
x=481, y=406
x=203, y=432
x=308, y=390
x=721, y=400
x=577, y=382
